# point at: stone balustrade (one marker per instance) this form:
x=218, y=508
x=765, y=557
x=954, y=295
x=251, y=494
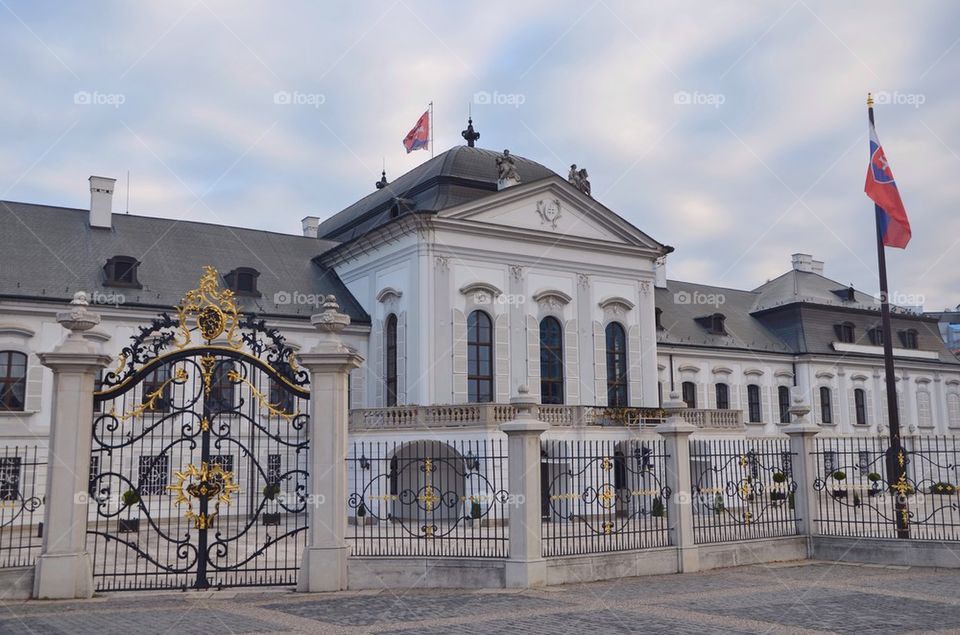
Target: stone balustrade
x=491, y=415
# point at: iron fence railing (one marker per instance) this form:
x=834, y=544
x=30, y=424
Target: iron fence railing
x=23, y=471
x=428, y=498
x=603, y=495
x=858, y=494
x=742, y=489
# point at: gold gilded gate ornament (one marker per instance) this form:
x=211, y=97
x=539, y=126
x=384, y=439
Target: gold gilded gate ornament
x=209, y=481
x=212, y=309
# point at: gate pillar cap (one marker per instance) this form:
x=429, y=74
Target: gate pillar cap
x=330, y=319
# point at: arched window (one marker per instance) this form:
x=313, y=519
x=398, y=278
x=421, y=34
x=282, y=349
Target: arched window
x=723, y=396
x=753, y=404
x=551, y=361
x=783, y=401
x=860, y=406
x=688, y=392
x=13, y=380
x=479, y=357
x=826, y=405
x=391, y=360
x=616, y=365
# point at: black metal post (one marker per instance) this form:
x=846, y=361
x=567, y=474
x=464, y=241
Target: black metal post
x=896, y=459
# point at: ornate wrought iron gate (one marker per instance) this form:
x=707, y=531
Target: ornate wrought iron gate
x=199, y=462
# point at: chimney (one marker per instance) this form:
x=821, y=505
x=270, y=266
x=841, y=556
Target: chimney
x=310, y=225
x=806, y=263
x=660, y=273
x=101, y=201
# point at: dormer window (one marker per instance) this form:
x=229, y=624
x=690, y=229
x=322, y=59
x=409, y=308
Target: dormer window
x=909, y=339
x=715, y=324
x=851, y=294
x=122, y=272
x=876, y=336
x=243, y=281
x=845, y=332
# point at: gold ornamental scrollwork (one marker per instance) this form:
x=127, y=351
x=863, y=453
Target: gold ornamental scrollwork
x=207, y=481
x=212, y=309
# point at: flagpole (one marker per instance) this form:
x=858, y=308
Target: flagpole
x=896, y=460
x=431, y=129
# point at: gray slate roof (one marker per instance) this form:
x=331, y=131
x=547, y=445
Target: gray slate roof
x=459, y=175
x=794, y=313
x=52, y=252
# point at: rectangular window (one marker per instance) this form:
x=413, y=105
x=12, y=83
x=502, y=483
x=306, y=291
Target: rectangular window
x=723, y=397
x=153, y=474
x=753, y=403
x=783, y=400
x=94, y=473
x=689, y=392
x=829, y=462
x=826, y=405
x=273, y=468
x=10, y=478
x=860, y=406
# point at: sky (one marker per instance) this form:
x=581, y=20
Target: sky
x=735, y=131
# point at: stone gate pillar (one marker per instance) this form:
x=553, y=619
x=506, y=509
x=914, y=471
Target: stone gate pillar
x=323, y=566
x=63, y=570
x=676, y=434
x=804, y=466
x=526, y=566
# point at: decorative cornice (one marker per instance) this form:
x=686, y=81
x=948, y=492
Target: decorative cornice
x=753, y=372
x=616, y=304
x=688, y=368
x=388, y=293
x=824, y=374
x=722, y=370
x=16, y=330
x=783, y=373
x=552, y=297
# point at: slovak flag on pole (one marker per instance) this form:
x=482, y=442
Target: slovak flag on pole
x=882, y=189
x=419, y=137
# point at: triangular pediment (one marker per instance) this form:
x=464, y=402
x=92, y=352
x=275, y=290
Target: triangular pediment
x=551, y=207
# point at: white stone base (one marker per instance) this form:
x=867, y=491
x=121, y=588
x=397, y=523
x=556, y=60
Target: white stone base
x=63, y=577
x=323, y=569
x=526, y=574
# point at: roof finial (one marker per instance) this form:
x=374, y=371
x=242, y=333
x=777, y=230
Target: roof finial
x=470, y=134
x=382, y=183
x=869, y=100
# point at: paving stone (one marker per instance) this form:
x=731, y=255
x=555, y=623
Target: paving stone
x=105, y=622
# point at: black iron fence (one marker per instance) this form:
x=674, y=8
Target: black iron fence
x=428, y=498
x=23, y=472
x=742, y=489
x=603, y=495
x=858, y=491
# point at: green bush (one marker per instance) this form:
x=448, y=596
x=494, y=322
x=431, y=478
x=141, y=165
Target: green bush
x=718, y=504
x=361, y=510
x=658, y=510
x=271, y=490
x=943, y=487
x=873, y=477
x=475, y=510
x=856, y=499
x=131, y=497
x=839, y=475
x=791, y=502
x=779, y=477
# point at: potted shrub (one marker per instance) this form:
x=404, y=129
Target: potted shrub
x=874, y=478
x=270, y=492
x=943, y=488
x=777, y=492
x=475, y=510
x=657, y=510
x=718, y=505
x=131, y=497
x=856, y=499
x=838, y=490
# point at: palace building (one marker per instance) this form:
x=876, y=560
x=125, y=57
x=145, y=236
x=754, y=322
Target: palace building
x=474, y=277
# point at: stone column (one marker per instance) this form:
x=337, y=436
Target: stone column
x=676, y=434
x=63, y=570
x=526, y=566
x=804, y=467
x=323, y=566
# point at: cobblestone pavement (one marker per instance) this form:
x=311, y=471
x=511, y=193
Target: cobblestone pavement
x=801, y=597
